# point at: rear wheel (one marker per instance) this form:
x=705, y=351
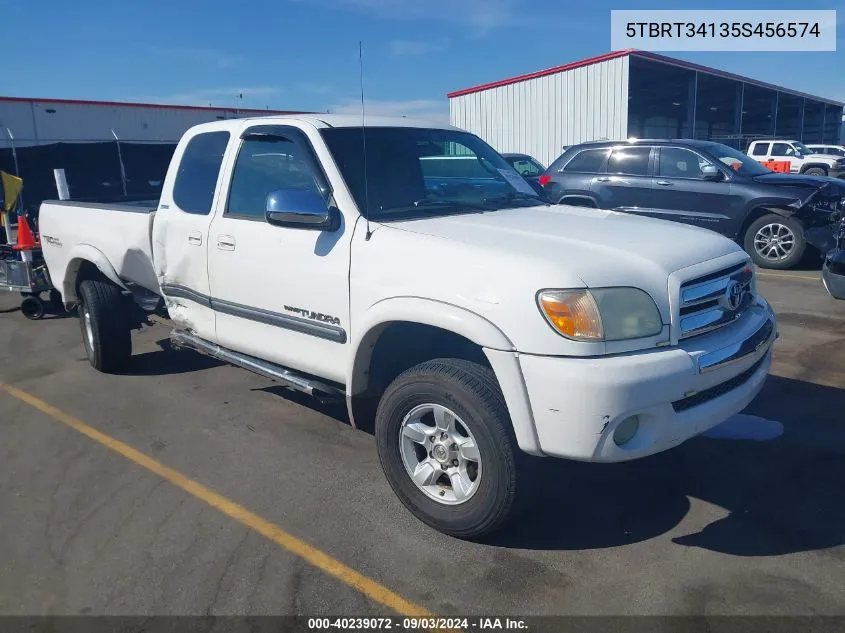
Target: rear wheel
x=775, y=242
x=444, y=441
x=105, y=329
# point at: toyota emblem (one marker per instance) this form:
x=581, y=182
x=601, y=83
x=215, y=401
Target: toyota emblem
x=733, y=295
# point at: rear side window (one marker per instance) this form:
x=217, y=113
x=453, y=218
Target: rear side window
x=631, y=161
x=193, y=191
x=588, y=161
x=760, y=149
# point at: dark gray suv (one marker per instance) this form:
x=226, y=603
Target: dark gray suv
x=702, y=183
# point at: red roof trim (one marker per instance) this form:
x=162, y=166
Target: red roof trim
x=645, y=55
x=129, y=104
x=541, y=73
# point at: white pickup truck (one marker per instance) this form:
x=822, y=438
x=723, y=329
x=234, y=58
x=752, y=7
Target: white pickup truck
x=801, y=158
x=466, y=319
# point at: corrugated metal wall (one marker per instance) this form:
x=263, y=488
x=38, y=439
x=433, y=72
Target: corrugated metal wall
x=539, y=116
x=40, y=123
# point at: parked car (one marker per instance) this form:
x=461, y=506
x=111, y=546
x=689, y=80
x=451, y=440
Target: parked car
x=830, y=150
x=471, y=324
x=528, y=167
x=801, y=159
x=702, y=183
x=832, y=245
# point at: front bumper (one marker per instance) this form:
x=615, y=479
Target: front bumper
x=676, y=393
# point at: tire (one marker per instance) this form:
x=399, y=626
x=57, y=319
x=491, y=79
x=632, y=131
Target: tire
x=470, y=392
x=816, y=171
x=105, y=330
x=32, y=308
x=783, y=255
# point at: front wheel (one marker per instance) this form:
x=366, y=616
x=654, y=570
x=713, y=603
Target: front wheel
x=105, y=328
x=446, y=447
x=816, y=171
x=775, y=242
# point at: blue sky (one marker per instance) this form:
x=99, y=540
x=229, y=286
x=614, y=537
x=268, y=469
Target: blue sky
x=303, y=54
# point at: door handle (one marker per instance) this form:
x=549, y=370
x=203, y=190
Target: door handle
x=603, y=179
x=664, y=183
x=195, y=238
x=225, y=242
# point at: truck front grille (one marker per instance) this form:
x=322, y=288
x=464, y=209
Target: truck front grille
x=715, y=300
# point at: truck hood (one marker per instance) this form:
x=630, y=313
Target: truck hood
x=601, y=247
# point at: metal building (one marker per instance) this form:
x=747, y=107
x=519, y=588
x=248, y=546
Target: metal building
x=637, y=94
x=108, y=149
x=26, y=122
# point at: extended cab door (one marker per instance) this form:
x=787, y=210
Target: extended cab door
x=180, y=229
x=281, y=293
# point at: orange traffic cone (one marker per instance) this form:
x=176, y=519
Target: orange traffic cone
x=26, y=239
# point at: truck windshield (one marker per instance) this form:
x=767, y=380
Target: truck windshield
x=419, y=171
x=736, y=160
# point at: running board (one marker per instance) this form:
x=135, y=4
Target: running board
x=180, y=339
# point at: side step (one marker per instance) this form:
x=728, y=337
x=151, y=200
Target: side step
x=313, y=387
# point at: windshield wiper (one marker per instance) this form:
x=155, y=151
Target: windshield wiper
x=428, y=206
x=518, y=195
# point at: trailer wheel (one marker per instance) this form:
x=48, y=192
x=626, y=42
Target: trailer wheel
x=32, y=307
x=442, y=432
x=105, y=330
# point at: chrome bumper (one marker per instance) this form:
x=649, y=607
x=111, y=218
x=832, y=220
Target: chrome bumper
x=754, y=346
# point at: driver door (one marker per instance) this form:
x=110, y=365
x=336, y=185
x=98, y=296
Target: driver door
x=280, y=293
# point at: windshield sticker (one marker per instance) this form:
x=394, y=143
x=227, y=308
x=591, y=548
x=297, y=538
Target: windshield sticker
x=516, y=181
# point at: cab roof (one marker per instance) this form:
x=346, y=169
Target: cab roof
x=325, y=121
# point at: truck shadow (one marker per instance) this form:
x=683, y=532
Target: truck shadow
x=774, y=497
x=168, y=361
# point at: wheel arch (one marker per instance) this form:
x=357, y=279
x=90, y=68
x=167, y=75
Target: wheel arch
x=436, y=329
x=808, y=166
x=86, y=262
x=418, y=311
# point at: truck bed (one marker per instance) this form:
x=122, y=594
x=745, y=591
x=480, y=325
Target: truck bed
x=121, y=232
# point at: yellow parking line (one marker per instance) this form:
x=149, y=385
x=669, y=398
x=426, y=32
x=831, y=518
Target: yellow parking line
x=367, y=586
x=806, y=277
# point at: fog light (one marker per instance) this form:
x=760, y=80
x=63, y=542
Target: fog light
x=626, y=430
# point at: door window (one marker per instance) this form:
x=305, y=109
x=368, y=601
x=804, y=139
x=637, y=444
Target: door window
x=631, y=161
x=526, y=168
x=760, y=149
x=196, y=180
x=264, y=165
x=782, y=149
x=589, y=161
x=676, y=162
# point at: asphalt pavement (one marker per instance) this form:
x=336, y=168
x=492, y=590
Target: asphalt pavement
x=190, y=487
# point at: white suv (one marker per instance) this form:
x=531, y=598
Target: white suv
x=802, y=159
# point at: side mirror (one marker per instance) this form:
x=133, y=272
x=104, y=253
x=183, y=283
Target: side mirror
x=711, y=172
x=300, y=209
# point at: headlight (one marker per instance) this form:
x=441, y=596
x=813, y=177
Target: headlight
x=601, y=314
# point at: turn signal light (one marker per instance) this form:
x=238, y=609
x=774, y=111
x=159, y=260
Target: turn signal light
x=573, y=313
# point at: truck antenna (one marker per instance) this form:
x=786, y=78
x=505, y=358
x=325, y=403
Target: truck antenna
x=368, y=233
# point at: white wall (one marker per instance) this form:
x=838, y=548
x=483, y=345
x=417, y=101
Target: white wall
x=539, y=116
